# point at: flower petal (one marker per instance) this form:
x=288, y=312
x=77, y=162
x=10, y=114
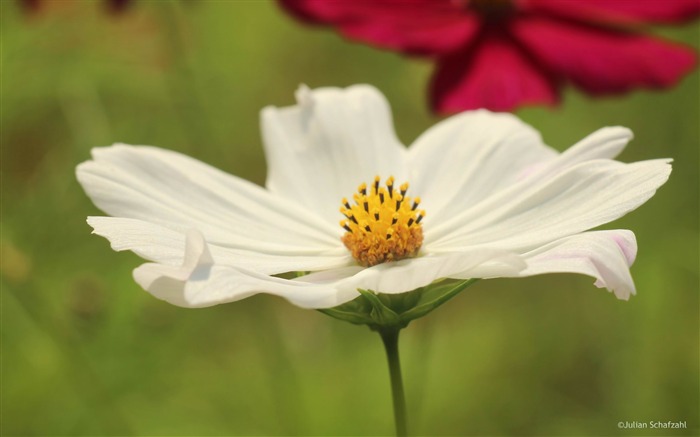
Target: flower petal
x=601, y=60
x=604, y=255
x=523, y=217
x=418, y=27
x=166, y=245
x=468, y=157
x=619, y=11
x=172, y=190
x=605, y=143
x=410, y=274
x=199, y=282
x=510, y=161
x=492, y=73
x=320, y=150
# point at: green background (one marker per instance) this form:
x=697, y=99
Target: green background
x=86, y=352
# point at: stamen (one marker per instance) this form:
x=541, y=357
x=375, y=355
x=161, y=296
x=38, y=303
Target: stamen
x=398, y=201
x=390, y=185
x=362, y=189
x=416, y=202
x=379, y=231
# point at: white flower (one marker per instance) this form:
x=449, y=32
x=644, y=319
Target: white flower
x=497, y=202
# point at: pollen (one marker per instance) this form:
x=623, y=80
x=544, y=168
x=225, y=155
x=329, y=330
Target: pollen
x=382, y=224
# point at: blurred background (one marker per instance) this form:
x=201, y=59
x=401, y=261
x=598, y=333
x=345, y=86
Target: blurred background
x=85, y=351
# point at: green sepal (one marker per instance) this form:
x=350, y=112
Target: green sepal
x=357, y=319
x=433, y=298
x=395, y=311
x=356, y=311
x=382, y=315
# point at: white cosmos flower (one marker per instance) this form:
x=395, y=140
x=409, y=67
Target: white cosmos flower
x=498, y=202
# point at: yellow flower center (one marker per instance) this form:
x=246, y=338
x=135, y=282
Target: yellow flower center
x=383, y=224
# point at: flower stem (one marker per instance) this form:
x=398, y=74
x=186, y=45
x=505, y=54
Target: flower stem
x=390, y=337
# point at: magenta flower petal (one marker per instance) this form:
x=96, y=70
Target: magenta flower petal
x=494, y=74
x=418, y=27
x=603, y=60
x=507, y=53
x=429, y=37
x=616, y=11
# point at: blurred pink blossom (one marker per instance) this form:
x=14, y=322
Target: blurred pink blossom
x=502, y=54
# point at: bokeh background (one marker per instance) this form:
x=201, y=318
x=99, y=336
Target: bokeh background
x=86, y=352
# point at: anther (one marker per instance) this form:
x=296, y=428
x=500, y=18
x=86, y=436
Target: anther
x=362, y=189
x=390, y=185
x=378, y=226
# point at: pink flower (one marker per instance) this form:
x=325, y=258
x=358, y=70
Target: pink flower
x=501, y=54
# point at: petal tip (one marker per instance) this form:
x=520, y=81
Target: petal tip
x=304, y=96
x=621, y=132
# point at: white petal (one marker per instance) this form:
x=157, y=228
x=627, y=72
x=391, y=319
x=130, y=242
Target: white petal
x=166, y=245
x=198, y=282
x=171, y=189
x=409, y=274
x=604, y=255
x=605, y=143
x=320, y=150
x=467, y=157
x=584, y=196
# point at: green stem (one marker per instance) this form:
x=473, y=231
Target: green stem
x=390, y=337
